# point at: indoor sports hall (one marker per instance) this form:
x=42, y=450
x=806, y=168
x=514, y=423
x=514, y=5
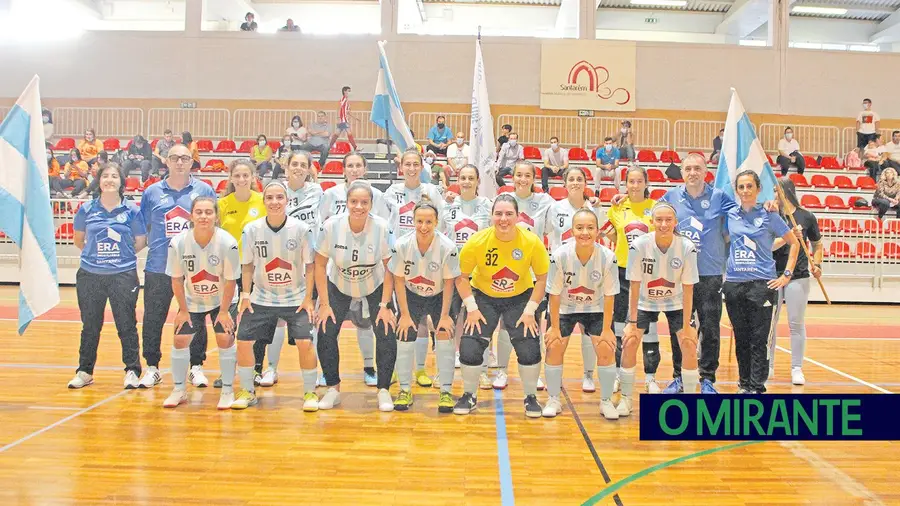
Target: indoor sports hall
x=654, y=75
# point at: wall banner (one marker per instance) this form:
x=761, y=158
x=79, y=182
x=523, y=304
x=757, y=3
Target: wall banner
x=588, y=74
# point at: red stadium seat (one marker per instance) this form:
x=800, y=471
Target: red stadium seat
x=820, y=181
x=274, y=145
x=709, y=177
x=65, y=144
x=827, y=225
x=865, y=183
x=811, y=202
x=872, y=226
x=558, y=192
x=204, y=145
x=811, y=162
x=850, y=226
x=132, y=184
x=830, y=162
x=769, y=158
x=220, y=188
x=340, y=148
x=65, y=231
x=259, y=186
x=111, y=145
x=214, y=165
x=317, y=166
x=506, y=189
x=669, y=156
x=892, y=227
x=327, y=184
x=799, y=180
x=656, y=176
x=853, y=199
x=246, y=146
x=657, y=193
x=844, y=182
x=578, y=155
x=128, y=146
x=647, y=156
x=208, y=181
x=532, y=153
x=839, y=249
x=151, y=180
x=606, y=194
x=835, y=202
x=588, y=175
x=334, y=167
x=454, y=188
x=538, y=189
x=892, y=250
x=865, y=249
x=153, y=144
x=226, y=146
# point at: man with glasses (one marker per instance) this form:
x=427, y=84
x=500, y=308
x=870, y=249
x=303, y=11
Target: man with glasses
x=166, y=209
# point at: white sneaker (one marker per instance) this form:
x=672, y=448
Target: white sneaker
x=132, y=381
x=175, y=398
x=540, y=384
x=624, y=407
x=226, y=399
x=552, y=408
x=617, y=385
x=331, y=399
x=797, y=376
x=81, y=380
x=484, y=382
x=321, y=381
x=385, y=401
x=269, y=378
x=652, y=387
x=608, y=410
x=587, y=384
x=492, y=360
x=457, y=365
x=501, y=380
x=310, y=402
x=151, y=378
x=198, y=379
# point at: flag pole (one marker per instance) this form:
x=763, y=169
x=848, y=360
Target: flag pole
x=782, y=199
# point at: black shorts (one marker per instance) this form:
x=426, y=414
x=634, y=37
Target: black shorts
x=508, y=308
x=456, y=305
x=422, y=307
x=198, y=320
x=260, y=324
x=620, y=305
x=674, y=318
x=591, y=323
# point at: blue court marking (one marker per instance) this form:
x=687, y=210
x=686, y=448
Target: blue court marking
x=506, y=484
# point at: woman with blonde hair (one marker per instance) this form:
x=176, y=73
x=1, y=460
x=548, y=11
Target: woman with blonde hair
x=887, y=193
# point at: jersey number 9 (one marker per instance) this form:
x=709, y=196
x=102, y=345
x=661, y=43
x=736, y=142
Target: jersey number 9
x=189, y=264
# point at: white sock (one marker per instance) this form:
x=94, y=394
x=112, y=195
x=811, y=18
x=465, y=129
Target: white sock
x=690, y=379
x=181, y=360
x=607, y=375
x=588, y=355
x=421, y=352
x=554, y=374
x=275, y=348
x=246, y=376
x=649, y=377
x=309, y=380
x=403, y=366
x=504, y=349
x=486, y=358
x=227, y=362
x=366, y=340
x=626, y=381
x=470, y=375
x=529, y=375
x=446, y=361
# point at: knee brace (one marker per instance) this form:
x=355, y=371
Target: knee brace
x=528, y=350
x=471, y=350
x=651, y=357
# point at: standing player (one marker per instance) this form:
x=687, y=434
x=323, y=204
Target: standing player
x=425, y=265
x=344, y=118
x=165, y=206
x=662, y=270
x=204, y=264
x=582, y=284
x=503, y=261
x=352, y=253
x=277, y=257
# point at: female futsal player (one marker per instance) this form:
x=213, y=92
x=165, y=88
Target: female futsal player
x=204, y=264
x=508, y=268
x=109, y=231
x=582, y=284
x=276, y=261
x=352, y=252
x=750, y=280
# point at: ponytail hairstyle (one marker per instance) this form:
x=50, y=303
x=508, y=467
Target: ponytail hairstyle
x=245, y=162
x=505, y=197
x=634, y=167
x=533, y=172
x=790, y=193
x=425, y=203
x=588, y=212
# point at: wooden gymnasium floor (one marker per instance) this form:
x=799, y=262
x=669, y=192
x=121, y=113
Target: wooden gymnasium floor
x=105, y=445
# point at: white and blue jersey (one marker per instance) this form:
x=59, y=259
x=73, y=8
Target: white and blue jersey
x=662, y=274
x=461, y=219
x=582, y=287
x=205, y=269
x=533, y=211
x=355, y=260
x=403, y=200
x=425, y=273
x=558, y=221
x=279, y=257
x=303, y=203
x=702, y=220
x=109, y=236
x=167, y=213
x=334, y=202
x=752, y=235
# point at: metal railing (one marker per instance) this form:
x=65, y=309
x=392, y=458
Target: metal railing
x=697, y=135
x=108, y=122
x=421, y=122
x=848, y=138
x=536, y=130
x=813, y=139
x=648, y=133
x=213, y=124
x=249, y=123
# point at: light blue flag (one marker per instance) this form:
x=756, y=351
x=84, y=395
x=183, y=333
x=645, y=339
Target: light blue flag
x=741, y=150
x=386, y=109
x=25, y=205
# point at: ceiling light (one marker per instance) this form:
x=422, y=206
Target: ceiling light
x=826, y=11
x=660, y=3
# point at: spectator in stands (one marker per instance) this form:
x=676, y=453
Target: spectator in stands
x=93, y=182
x=262, y=156
x=319, y=137
x=161, y=152
x=75, y=174
x=249, y=25
x=887, y=194
x=458, y=153
x=89, y=146
x=874, y=156
x=556, y=161
x=298, y=133
x=281, y=157
x=626, y=141
x=504, y=136
x=139, y=157
x=47, y=118
x=289, y=26
x=717, y=147
x=52, y=172
x=789, y=153
x=191, y=144
x=439, y=137
x=607, y=157
x=866, y=124
x=510, y=153
x=892, y=149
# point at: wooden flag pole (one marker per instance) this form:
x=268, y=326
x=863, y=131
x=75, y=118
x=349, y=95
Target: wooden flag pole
x=803, y=245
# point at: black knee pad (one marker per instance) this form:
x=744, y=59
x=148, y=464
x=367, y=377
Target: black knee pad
x=528, y=350
x=471, y=350
x=651, y=357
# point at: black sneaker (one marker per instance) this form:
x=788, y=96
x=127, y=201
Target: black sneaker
x=466, y=404
x=532, y=407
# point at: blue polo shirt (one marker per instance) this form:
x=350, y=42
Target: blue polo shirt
x=607, y=156
x=752, y=234
x=109, y=236
x=439, y=136
x=167, y=213
x=702, y=220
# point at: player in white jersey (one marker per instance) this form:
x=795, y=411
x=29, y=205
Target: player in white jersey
x=662, y=270
x=558, y=227
x=352, y=252
x=402, y=199
x=582, y=285
x=204, y=265
x=333, y=203
x=277, y=261
x=425, y=265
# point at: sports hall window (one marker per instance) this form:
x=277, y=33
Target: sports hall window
x=286, y=17
x=511, y=18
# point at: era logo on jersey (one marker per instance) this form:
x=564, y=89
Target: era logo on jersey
x=422, y=285
x=526, y=220
x=581, y=295
x=464, y=229
x=504, y=280
x=406, y=214
x=693, y=230
x=567, y=235
x=177, y=220
x=745, y=251
x=108, y=243
x=634, y=230
x=279, y=272
x=204, y=283
x=660, y=288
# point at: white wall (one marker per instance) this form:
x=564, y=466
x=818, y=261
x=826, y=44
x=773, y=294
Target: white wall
x=841, y=31
x=464, y=19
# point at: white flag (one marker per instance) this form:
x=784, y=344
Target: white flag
x=481, y=132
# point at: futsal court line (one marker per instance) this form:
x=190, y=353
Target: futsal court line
x=832, y=473
x=507, y=497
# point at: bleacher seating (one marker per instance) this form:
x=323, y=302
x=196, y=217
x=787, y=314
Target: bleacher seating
x=558, y=192
x=669, y=156
x=811, y=202
x=64, y=144
x=843, y=182
x=225, y=146
x=111, y=145
x=329, y=184
x=246, y=146
x=204, y=146
x=647, y=156
x=578, y=155
x=334, y=168
x=532, y=153
x=340, y=148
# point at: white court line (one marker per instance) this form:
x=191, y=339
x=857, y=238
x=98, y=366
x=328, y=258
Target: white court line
x=54, y=408
x=833, y=474
x=836, y=338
